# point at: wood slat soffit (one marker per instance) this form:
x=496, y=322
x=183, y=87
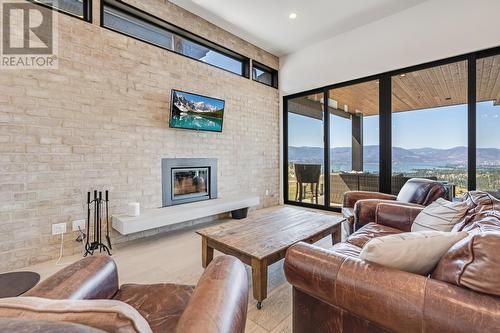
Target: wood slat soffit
x=439, y=86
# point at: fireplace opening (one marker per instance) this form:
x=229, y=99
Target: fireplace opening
x=190, y=182
x=186, y=180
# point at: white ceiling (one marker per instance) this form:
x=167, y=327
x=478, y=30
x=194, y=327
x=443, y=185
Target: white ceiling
x=265, y=23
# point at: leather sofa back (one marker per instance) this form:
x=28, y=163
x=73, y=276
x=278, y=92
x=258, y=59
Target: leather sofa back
x=484, y=210
x=421, y=191
x=473, y=262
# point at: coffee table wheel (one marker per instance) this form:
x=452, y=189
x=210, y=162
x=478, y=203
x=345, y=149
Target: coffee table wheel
x=259, y=305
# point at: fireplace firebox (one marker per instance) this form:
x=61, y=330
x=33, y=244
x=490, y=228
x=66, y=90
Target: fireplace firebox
x=190, y=182
x=187, y=180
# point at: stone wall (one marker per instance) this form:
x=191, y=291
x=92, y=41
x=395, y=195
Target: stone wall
x=101, y=121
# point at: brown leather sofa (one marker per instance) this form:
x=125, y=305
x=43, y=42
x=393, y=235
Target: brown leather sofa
x=218, y=303
x=359, y=206
x=335, y=291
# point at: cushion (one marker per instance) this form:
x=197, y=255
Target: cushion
x=473, y=263
x=481, y=205
x=106, y=315
x=346, y=249
x=414, y=252
x=370, y=231
x=160, y=304
x=441, y=215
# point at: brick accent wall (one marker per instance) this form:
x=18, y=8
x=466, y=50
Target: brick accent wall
x=101, y=121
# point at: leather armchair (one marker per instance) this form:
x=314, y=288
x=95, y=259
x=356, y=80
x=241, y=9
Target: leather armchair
x=359, y=206
x=218, y=303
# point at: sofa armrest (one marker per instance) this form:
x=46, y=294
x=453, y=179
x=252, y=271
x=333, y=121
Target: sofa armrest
x=351, y=197
x=390, y=298
x=364, y=211
x=400, y=216
x=89, y=278
x=367, y=290
x=220, y=299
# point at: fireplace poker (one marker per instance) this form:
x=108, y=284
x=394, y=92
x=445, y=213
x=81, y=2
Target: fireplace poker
x=96, y=219
x=99, y=220
x=87, y=245
x=108, y=239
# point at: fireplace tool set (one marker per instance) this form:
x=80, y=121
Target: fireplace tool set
x=95, y=207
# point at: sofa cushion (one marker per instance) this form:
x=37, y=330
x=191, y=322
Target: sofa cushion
x=370, y=231
x=481, y=205
x=473, y=262
x=414, y=252
x=441, y=215
x=347, y=249
x=160, y=304
x=106, y=315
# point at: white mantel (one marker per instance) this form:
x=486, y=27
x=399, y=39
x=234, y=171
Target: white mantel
x=160, y=217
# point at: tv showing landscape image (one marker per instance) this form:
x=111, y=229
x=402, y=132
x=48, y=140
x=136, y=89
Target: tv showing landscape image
x=196, y=112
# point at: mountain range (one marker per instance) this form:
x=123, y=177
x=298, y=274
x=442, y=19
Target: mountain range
x=184, y=104
x=456, y=156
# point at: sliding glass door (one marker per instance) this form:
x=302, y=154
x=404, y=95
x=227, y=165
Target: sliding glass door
x=354, y=151
x=305, y=151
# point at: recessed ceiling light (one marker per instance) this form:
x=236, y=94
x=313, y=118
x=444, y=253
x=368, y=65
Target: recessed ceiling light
x=292, y=16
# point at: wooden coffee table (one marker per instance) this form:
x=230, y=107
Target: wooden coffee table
x=263, y=239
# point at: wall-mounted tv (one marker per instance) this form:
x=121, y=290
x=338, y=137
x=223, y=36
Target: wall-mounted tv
x=196, y=112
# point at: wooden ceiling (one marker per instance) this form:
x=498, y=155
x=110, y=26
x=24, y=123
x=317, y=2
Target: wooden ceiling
x=439, y=86
x=488, y=79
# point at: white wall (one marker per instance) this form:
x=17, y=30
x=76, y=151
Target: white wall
x=430, y=31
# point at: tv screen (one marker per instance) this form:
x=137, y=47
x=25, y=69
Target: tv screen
x=196, y=112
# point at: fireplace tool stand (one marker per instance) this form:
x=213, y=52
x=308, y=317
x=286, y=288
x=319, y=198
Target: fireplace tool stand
x=96, y=243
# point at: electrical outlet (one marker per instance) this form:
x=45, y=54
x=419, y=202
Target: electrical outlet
x=267, y=193
x=78, y=223
x=58, y=228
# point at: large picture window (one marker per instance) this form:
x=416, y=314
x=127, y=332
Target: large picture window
x=488, y=124
x=429, y=121
x=439, y=121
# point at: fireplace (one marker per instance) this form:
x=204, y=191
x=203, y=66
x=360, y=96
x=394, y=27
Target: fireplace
x=190, y=183
x=187, y=180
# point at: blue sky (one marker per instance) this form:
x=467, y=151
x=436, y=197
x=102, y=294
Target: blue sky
x=444, y=127
x=223, y=61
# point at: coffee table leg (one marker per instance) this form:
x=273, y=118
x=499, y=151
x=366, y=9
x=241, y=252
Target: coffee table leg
x=207, y=253
x=337, y=235
x=259, y=280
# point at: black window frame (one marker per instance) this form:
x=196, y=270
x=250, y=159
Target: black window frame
x=385, y=120
x=87, y=10
x=175, y=31
x=273, y=72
